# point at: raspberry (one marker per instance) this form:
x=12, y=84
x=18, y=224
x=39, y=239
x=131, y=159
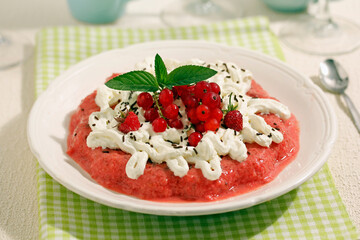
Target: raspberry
x=212, y=100
x=201, y=88
x=159, y=125
x=131, y=123
x=234, y=120
x=166, y=97
x=212, y=125
x=194, y=138
x=145, y=100
x=215, y=88
x=202, y=112
x=171, y=111
x=151, y=114
x=176, y=123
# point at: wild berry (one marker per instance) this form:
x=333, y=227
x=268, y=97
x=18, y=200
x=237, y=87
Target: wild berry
x=234, y=120
x=151, y=114
x=159, y=125
x=190, y=101
x=194, y=138
x=215, y=88
x=211, y=99
x=212, y=125
x=171, y=111
x=192, y=116
x=216, y=113
x=200, y=127
x=202, y=112
x=166, y=97
x=175, y=123
x=201, y=88
x=131, y=123
x=145, y=100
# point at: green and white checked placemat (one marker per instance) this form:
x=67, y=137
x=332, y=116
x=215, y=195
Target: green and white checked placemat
x=313, y=211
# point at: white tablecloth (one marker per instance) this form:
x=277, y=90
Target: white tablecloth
x=18, y=200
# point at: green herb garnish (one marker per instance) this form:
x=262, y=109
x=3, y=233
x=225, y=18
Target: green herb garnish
x=146, y=82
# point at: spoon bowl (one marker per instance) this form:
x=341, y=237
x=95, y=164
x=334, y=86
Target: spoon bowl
x=333, y=76
x=335, y=79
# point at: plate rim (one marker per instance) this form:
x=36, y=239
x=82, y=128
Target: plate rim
x=185, y=211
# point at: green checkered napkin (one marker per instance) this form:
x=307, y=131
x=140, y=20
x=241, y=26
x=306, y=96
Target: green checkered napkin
x=313, y=211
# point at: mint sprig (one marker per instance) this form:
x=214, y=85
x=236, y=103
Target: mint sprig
x=146, y=82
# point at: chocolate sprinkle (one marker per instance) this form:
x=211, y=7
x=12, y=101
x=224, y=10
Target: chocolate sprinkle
x=105, y=151
x=259, y=134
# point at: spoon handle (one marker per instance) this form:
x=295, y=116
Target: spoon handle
x=354, y=113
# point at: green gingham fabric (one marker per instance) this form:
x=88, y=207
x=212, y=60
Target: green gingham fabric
x=312, y=211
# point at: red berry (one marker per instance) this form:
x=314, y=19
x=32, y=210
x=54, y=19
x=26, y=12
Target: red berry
x=200, y=127
x=190, y=101
x=166, y=97
x=171, y=111
x=151, y=114
x=112, y=76
x=202, y=112
x=212, y=100
x=180, y=89
x=145, y=100
x=212, y=125
x=215, y=88
x=176, y=123
x=131, y=123
x=175, y=92
x=159, y=125
x=192, y=116
x=234, y=120
x=201, y=88
x=217, y=114
x=194, y=138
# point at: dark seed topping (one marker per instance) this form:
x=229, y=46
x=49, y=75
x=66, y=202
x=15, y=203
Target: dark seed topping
x=151, y=145
x=248, y=153
x=277, y=128
x=96, y=118
x=178, y=146
x=196, y=152
x=82, y=109
x=93, y=125
x=105, y=151
x=270, y=135
x=181, y=138
x=259, y=134
x=123, y=138
x=243, y=70
x=75, y=134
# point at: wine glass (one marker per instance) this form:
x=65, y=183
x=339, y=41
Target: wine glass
x=11, y=52
x=321, y=34
x=188, y=12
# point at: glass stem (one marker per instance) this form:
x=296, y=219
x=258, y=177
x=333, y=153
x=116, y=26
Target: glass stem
x=323, y=12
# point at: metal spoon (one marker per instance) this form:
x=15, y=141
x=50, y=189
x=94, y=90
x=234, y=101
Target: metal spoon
x=334, y=78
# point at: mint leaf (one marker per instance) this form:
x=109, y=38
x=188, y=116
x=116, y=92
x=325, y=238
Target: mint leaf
x=134, y=81
x=188, y=74
x=160, y=71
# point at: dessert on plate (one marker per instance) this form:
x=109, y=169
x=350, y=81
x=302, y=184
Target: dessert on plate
x=182, y=131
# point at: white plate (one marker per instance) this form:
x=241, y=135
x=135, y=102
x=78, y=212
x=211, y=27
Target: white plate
x=49, y=118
